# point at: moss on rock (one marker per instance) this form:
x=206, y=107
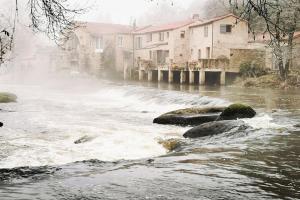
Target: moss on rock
x=170, y=144
x=6, y=97
x=195, y=111
x=237, y=111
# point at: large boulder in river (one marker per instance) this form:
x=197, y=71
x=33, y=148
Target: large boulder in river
x=6, y=97
x=237, y=111
x=190, y=116
x=214, y=128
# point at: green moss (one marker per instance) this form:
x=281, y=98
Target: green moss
x=6, y=97
x=237, y=110
x=195, y=111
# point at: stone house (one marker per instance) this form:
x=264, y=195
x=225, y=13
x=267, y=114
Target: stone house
x=93, y=47
x=163, y=45
x=213, y=38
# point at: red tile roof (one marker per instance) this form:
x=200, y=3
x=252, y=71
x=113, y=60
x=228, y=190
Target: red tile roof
x=165, y=27
x=209, y=21
x=105, y=28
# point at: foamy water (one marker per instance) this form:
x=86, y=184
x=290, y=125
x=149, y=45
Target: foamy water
x=117, y=120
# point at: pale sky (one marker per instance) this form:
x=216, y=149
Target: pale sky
x=123, y=11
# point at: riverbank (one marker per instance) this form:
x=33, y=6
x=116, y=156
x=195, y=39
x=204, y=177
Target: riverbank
x=269, y=81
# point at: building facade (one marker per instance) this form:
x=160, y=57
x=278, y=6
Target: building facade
x=96, y=47
x=213, y=38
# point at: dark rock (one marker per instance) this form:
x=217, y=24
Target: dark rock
x=83, y=139
x=190, y=116
x=297, y=125
x=214, y=128
x=1, y=124
x=6, y=97
x=237, y=111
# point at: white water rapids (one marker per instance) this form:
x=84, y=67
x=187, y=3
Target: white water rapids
x=41, y=128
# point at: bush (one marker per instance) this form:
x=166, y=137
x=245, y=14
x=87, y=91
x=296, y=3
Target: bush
x=249, y=69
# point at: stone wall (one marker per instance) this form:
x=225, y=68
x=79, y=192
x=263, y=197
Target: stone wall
x=239, y=56
x=296, y=55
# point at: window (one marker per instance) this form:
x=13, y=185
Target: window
x=225, y=28
x=168, y=35
x=205, y=31
x=182, y=34
x=208, y=52
x=199, y=54
x=161, y=36
x=138, y=43
x=150, y=55
x=120, y=41
x=99, y=43
x=149, y=37
x=192, y=52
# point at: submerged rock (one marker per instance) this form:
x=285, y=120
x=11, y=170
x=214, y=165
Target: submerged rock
x=297, y=125
x=6, y=97
x=237, y=111
x=214, y=128
x=84, y=139
x=190, y=116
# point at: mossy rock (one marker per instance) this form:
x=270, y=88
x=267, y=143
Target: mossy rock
x=190, y=116
x=170, y=144
x=6, y=97
x=195, y=111
x=237, y=111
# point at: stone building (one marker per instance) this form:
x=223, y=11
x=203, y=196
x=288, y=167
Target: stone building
x=95, y=47
x=163, y=45
x=213, y=38
x=195, y=51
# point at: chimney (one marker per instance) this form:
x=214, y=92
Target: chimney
x=196, y=17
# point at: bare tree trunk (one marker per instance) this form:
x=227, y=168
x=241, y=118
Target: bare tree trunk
x=289, y=61
x=279, y=58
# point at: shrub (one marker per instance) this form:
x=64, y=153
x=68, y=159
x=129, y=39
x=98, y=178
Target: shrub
x=249, y=69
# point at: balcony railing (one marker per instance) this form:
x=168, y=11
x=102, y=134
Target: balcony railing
x=195, y=65
x=209, y=64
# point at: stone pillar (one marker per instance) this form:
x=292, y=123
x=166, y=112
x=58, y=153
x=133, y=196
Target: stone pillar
x=150, y=74
x=160, y=75
x=192, y=77
x=201, y=77
x=170, y=76
x=125, y=72
x=141, y=75
x=182, y=77
x=223, y=77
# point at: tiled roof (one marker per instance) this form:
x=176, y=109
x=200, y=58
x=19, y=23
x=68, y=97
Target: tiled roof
x=165, y=27
x=105, y=28
x=209, y=21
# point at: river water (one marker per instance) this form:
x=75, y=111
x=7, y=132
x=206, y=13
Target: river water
x=122, y=158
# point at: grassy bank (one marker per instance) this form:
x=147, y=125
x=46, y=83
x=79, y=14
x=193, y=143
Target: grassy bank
x=269, y=81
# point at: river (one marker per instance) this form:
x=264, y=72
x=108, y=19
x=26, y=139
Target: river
x=123, y=159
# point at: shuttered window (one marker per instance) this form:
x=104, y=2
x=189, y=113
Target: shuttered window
x=225, y=28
